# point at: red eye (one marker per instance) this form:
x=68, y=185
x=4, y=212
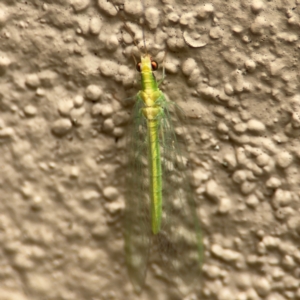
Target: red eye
x=138, y=67
x=154, y=65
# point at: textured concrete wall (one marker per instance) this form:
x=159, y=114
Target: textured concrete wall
x=66, y=70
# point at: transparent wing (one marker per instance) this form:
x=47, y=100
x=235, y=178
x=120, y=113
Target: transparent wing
x=137, y=215
x=178, y=248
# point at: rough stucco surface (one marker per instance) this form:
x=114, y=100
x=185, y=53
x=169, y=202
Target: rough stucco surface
x=66, y=71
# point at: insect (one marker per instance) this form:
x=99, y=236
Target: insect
x=161, y=225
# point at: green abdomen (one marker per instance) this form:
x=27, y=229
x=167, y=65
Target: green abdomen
x=155, y=175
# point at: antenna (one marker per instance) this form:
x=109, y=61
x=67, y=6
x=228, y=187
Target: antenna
x=143, y=29
x=131, y=33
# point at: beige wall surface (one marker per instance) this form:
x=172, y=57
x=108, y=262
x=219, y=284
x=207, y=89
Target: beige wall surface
x=67, y=78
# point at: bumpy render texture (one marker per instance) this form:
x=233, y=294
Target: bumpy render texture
x=67, y=73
